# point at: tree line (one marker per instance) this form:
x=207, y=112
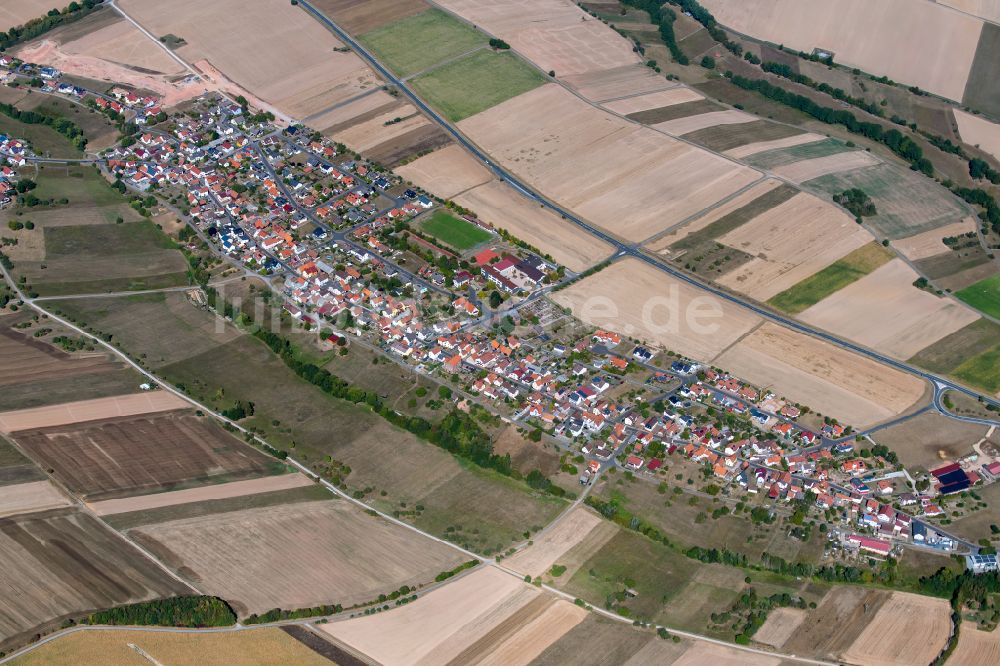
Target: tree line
x=54, y=18
x=193, y=611
x=63, y=126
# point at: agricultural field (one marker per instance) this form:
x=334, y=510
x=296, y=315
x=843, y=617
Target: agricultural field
x=981, y=91
x=361, y=16
x=15, y=468
x=266, y=645
x=148, y=454
x=446, y=172
x=788, y=142
x=20, y=13
x=728, y=138
x=782, y=156
x=549, y=547
x=658, y=102
x=48, y=584
x=418, y=42
x=817, y=167
x=930, y=244
x=984, y=295
x=976, y=647
x=834, y=277
x=979, y=132
x=476, y=82
x=21, y=498
x=928, y=440
x=96, y=409
x=701, y=121
x=296, y=556
x=455, y=232
x=485, y=614
x=630, y=180
x=971, y=354
x=907, y=629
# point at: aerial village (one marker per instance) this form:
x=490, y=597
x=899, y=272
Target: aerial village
x=341, y=239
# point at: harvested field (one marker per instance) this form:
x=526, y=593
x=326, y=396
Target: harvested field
x=418, y=42
x=836, y=276
x=861, y=34
x=118, y=41
x=790, y=242
x=25, y=359
x=277, y=52
x=927, y=440
x=884, y=311
x=361, y=16
x=629, y=179
x=987, y=9
x=520, y=641
x=838, y=383
x=907, y=202
x=950, y=352
x=365, y=106
x=29, y=497
x=783, y=156
x=976, y=648
x=741, y=152
x=637, y=300
x=681, y=95
x=362, y=136
x=140, y=454
x=549, y=547
x=928, y=243
x=979, y=132
x=835, y=624
x=617, y=82
x=90, y=410
x=660, y=115
x=821, y=166
x=981, y=89
x=446, y=172
x=780, y=626
x=63, y=562
x=418, y=141
x=718, y=655
x=497, y=203
x=703, y=121
x=598, y=641
x=908, y=629
x=208, y=493
x=268, y=646
x=722, y=138
x=327, y=552
x=19, y=13
x=553, y=34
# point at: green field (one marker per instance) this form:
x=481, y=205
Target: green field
x=983, y=295
x=454, y=232
x=43, y=139
x=834, y=277
x=770, y=159
x=414, y=44
x=466, y=86
x=982, y=370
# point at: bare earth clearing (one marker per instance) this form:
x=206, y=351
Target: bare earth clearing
x=908, y=629
x=27, y=497
x=90, y=410
x=549, y=547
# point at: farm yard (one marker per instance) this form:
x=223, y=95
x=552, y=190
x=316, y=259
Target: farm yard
x=455, y=232
x=328, y=552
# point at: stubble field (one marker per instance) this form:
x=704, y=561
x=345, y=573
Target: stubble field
x=69, y=413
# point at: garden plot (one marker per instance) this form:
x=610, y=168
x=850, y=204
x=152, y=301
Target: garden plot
x=631, y=180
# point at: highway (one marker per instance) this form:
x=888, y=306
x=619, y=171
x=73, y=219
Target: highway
x=624, y=250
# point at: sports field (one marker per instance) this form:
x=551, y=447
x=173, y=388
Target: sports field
x=984, y=295
x=481, y=80
x=834, y=277
x=415, y=43
x=457, y=233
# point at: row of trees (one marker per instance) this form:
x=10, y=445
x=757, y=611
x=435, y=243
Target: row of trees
x=786, y=72
x=53, y=19
x=193, y=611
x=663, y=17
x=63, y=126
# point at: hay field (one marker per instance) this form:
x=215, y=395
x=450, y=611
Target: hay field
x=929, y=243
x=20, y=12
x=608, y=84
x=638, y=300
x=296, y=556
x=836, y=382
x=976, y=648
x=500, y=205
x=120, y=42
x=774, y=144
x=446, y=172
x=780, y=625
x=68, y=413
x=821, y=166
x=277, y=52
x=29, y=497
x=65, y=562
x=790, y=242
x=655, y=100
x=553, y=34
x=908, y=629
x=219, y=491
x=267, y=646
x=141, y=454
x=978, y=131
x=628, y=179
x=547, y=548
x=884, y=311
x=871, y=36
x=703, y=120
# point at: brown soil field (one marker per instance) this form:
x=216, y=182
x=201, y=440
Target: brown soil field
x=780, y=626
x=140, y=454
x=930, y=439
x=446, y=172
x=342, y=116
x=661, y=115
x=22, y=11
x=208, y=493
x=821, y=166
x=553, y=34
x=833, y=381
x=25, y=359
x=420, y=140
x=327, y=552
x=608, y=84
x=987, y=9
x=29, y=497
x=979, y=132
x=908, y=629
x=791, y=242
x=656, y=100
x=438, y=627
x=928, y=243
x=835, y=624
x=63, y=562
x=868, y=36
x=277, y=52
x=760, y=146
x=118, y=41
x=90, y=410
x=268, y=646
x=500, y=205
x=361, y=16
x=520, y=642
x=701, y=653
x=884, y=311
x=598, y=641
x=976, y=648
x=704, y=120
x=629, y=179
x=635, y=299
x=367, y=134
x=726, y=137
x=550, y=546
